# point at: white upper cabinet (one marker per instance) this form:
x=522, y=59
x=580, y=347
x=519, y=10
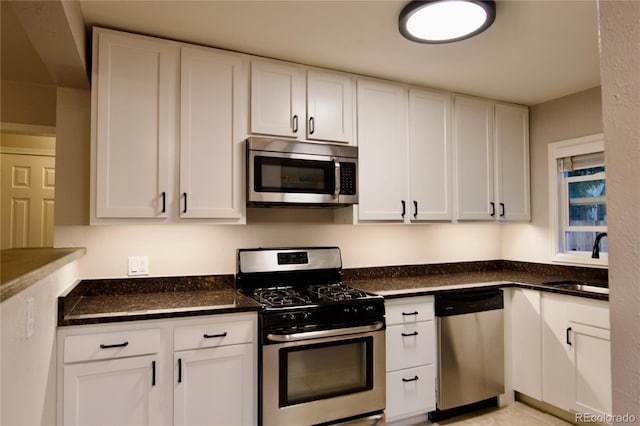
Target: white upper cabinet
x=473, y=138
x=329, y=106
x=430, y=159
x=277, y=99
x=492, y=160
x=134, y=104
x=278, y=102
x=512, y=162
x=168, y=131
x=211, y=135
x=382, y=151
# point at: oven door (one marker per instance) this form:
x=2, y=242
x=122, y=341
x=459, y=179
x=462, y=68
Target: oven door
x=291, y=178
x=323, y=379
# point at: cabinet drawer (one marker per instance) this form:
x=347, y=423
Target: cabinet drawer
x=117, y=344
x=213, y=334
x=410, y=345
x=409, y=310
x=410, y=392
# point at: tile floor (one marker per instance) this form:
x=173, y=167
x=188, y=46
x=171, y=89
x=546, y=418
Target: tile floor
x=515, y=414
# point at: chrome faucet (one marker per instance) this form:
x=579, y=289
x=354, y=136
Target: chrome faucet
x=595, y=253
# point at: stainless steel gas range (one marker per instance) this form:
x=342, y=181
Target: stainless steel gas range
x=322, y=342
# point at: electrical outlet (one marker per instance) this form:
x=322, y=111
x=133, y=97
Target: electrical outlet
x=138, y=265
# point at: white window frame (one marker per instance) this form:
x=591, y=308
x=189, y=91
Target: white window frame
x=568, y=148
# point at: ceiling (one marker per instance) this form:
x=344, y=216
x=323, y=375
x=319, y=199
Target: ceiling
x=535, y=51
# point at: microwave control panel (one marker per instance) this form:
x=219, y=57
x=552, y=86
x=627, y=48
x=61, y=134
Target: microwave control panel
x=347, y=178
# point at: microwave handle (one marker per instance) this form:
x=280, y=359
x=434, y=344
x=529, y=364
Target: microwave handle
x=336, y=167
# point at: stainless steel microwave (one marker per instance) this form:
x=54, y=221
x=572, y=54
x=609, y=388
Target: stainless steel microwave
x=291, y=173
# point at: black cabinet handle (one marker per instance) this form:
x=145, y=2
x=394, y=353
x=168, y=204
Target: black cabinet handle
x=410, y=313
x=404, y=208
x=179, y=370
x=415, y=333
x=184, y=194
x=164, y=202
x=117, y=345
x=312, y=125
x=295, y=123
x=502, y=210
x=211, y=336
x=413, y=379
x=493, y=208
x=153, y=373
x=569, y=336
x=415, y=209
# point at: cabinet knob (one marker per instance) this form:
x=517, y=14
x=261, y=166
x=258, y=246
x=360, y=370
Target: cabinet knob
x=295, y=123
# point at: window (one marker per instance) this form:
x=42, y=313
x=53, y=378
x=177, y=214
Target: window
x=577, y=200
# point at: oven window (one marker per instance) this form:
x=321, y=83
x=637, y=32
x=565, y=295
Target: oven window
x=290, y=175
x=313, y=372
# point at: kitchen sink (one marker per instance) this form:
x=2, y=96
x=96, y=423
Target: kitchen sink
x=578, y=285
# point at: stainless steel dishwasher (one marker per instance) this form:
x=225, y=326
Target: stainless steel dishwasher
x=470, y=347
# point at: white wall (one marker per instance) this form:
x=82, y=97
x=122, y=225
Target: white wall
x=620, y=68
x=28, y=366
x=579, y=114
x=196, y=250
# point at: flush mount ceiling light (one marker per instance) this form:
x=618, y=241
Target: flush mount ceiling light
x=444, y=21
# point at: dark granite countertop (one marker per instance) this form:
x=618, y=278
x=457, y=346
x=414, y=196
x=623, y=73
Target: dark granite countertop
x=416, y=280
x=113, y=300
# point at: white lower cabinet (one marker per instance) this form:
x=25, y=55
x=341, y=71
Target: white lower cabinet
x=212, y=386
x=410, y=340
x=561, y=350
x=113, y=392
x=526, y=342
x=159, y=372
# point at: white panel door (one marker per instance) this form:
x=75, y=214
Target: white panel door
x=430, y=159
x=592, y=360
x=277, y=99
x=215, y=386
x=211, y=97
x=135, y=83
x=526, y=342
x=473, y=139
x=382, y=151
x=329, y=106
x=28, y=186
x=512, y=162
x=557, y=356
x=124, y=391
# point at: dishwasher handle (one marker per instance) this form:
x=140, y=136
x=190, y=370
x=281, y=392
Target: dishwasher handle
x=468, y=301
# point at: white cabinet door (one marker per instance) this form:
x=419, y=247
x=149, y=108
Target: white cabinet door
x=124, y=391
x=557, y=357
x=473, y=139
x=277, y=99
x=592, y=360
x=526, y=342
x=134, y=102
x=212, y=95
x=512, y=162
x=410, y=392
x=329, y=106
x=383, y=151
x=430, y=116
x=215, y=386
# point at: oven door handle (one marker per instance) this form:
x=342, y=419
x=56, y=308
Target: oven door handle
x=294, y=337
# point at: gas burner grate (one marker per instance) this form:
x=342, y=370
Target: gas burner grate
x=336, y=292
x=280, y=296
